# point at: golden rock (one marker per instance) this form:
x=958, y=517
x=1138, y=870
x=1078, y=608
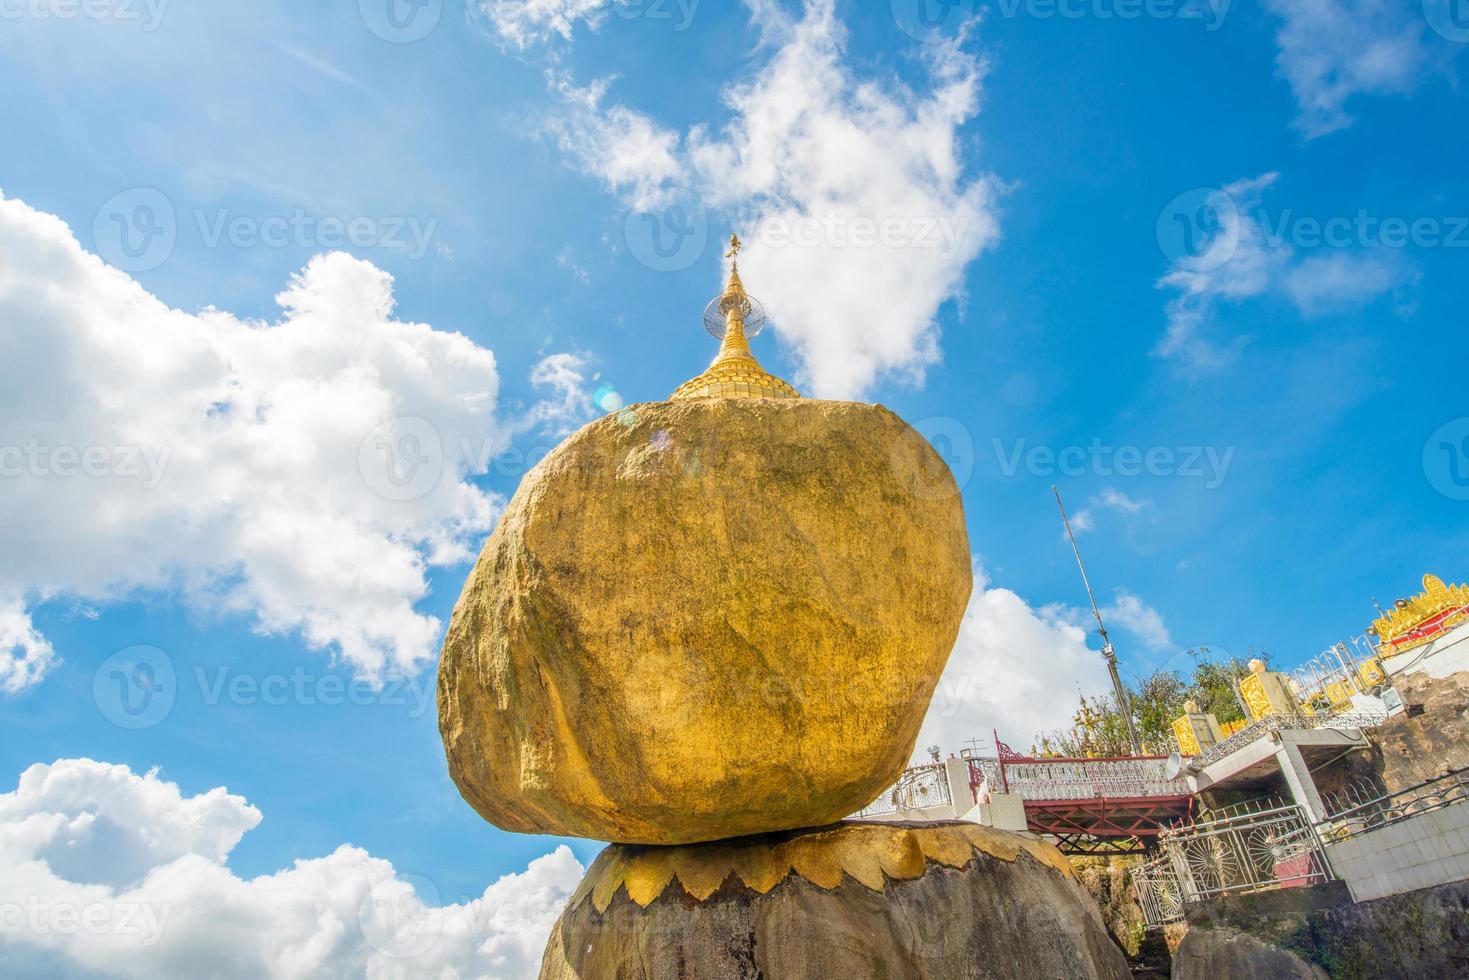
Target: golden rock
x=706, y=618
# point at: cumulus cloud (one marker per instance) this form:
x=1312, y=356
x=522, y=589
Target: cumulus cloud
x=124, y=875
x=858, y=214
x=1015, y=669
x=1332, y=50
x=1236, y=250
x=303, y=472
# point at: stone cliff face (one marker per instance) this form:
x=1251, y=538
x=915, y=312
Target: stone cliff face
x=1431, y=733
x=1320, y=932
x=1105, y=878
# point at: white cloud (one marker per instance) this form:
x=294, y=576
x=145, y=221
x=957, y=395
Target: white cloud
x=1239, y=262
x=1331, y=50
x=125, y=876
x=526, y=22
x=858, y=216
x=1117, y=500
x=570, y=405
x=629, y=152
x=1250, y=253
x=1014, y=669
x=566, y=259
x=1109, y=499
x=1324, y=283
x=303, y=472
x=25, y=655
x=1139, y=619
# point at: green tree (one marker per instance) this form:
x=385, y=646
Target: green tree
x=1157, y=700
x=1214, y=683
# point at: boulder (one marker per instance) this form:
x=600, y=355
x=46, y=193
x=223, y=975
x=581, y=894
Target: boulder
x=706, y=618
x=1224, y=954
x=855, y=901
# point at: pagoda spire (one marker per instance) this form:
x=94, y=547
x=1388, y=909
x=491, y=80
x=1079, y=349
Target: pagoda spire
x=735, y=373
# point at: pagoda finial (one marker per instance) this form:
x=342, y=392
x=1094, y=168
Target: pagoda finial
x=734, y=317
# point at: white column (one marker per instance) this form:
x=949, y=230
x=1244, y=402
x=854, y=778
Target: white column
x=960, y=794
x=1298, y=778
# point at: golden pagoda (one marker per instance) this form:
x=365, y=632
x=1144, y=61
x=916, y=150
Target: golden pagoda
x=734, y=372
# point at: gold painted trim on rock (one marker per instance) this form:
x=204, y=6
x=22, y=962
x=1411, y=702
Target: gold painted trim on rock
x=869, y=853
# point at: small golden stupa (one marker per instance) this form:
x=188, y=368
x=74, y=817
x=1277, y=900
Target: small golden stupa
x=735, y=373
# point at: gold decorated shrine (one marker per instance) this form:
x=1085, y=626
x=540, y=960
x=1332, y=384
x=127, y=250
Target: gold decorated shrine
x=1414, y=622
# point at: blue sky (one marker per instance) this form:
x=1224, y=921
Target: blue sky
x=1201, y=265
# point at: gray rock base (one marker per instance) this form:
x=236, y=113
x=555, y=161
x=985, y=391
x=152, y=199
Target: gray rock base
x=990, y=919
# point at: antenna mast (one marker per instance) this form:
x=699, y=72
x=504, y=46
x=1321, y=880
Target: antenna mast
x=1109, y=654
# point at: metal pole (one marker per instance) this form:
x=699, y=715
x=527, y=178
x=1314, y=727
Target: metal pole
x=1109, y=653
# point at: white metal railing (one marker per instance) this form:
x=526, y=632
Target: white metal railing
x=1327, y=675
x=1346, y=717
x=1271, y=847
x=918, y=788
x=1364, y=807
x=1079, y=779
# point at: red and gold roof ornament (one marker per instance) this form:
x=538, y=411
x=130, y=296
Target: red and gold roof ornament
x=1414, y=622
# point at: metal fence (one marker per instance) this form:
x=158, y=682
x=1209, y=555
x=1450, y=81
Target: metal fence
x=1269, y=846
x=1082, y=779
x=1347, y=717
x=1158, y=892
x=917, y=788
x=1364, y=806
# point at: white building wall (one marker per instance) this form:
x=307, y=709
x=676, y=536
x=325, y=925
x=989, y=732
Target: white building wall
x=1419, y=852
x=1448, y=654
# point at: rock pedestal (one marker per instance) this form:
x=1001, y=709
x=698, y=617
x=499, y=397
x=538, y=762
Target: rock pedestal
x=854, y=900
